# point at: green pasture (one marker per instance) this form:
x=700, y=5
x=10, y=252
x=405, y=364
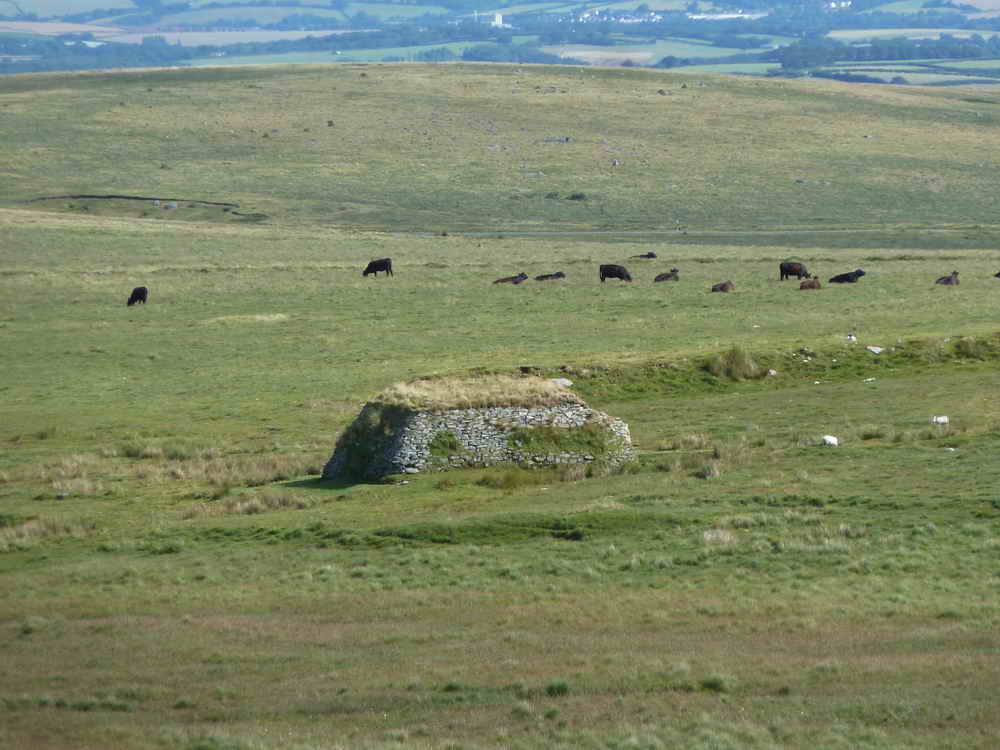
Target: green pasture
x=744, y=68
x=395, y=11
x=261, y=14
x=173, y=573
x=289, y=58
x=973, y=63
x=558, y=7
x=632, y=5
x=649, y=53
x=860, y=35
x=347, y=55
x=902, y=6
x=52, y=8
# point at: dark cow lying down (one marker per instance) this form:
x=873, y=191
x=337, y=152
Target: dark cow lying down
x=949, y=280
x=382, y=264
x=612, y=271
x=139, y=296
x=669, y=276
x=723, y=286
x=810, y=284
x=650, y=254
x=792, y=268
x=847, y=278
x=550, y=276
x=512, y=279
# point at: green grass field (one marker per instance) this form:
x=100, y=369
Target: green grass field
x=173, y=574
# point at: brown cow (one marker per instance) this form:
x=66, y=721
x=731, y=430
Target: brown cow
x=724, y=286
x=810, y=284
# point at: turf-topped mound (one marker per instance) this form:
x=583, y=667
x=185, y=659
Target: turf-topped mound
x=443, y=423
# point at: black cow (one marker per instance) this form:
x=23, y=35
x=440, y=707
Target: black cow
x=670, y=276
x=723, y=286
x=996, y=275
x=847, y=278
x=382, y=264
x=612, y=271
x=550, y=276
x=949, y=280
x=512, y=279
x=650, y=254
x=139, y=296
x=791, y=268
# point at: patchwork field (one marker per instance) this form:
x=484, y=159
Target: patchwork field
x=173, y=573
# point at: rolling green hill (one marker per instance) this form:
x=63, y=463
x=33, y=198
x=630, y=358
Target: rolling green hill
x=173, y=573
x=486, y=148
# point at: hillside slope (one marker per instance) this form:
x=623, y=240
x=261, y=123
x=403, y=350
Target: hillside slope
x=504, y=148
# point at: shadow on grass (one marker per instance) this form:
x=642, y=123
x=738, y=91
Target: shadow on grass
x=319, y=483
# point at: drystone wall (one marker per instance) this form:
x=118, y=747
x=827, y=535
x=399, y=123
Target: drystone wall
x=394, y=441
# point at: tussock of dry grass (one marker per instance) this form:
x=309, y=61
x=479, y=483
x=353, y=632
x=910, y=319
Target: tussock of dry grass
x=24, y=535
x=438, y=394
x=249, y=504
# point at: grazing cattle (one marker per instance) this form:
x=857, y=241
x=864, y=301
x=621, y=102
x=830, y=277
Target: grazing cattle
x=847, y=278
x=512, y=279
x=792, y=268
x=382, y=264
x=996, y=275
x=650, y=254
x=949, y=280
x=612, y=271
x=810, y=284
x=550, y=276
x=670, y=276
x=723, y=286
x=139, y=295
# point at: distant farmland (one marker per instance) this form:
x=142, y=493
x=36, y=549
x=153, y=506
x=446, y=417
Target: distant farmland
x=196, y=38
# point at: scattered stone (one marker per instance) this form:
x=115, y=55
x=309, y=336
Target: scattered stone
x=851, y=337
x=939, y=420
x=565, y=382
x=772, y=372
x=875, y=349
x=869, y=380
x=830, y=440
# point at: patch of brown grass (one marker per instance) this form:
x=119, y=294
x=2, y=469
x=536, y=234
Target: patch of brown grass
x=474, y=392
x=24, y=535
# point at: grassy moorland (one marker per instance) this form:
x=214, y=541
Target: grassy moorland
x=487, y=148
x=172, y=574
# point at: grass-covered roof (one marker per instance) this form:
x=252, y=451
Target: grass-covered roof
x=476, y=391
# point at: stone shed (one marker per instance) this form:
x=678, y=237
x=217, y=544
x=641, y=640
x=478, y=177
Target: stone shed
x=441, y=423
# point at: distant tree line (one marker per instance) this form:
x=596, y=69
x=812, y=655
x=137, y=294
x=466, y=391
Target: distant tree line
x=815, y=53
x=59, y=54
